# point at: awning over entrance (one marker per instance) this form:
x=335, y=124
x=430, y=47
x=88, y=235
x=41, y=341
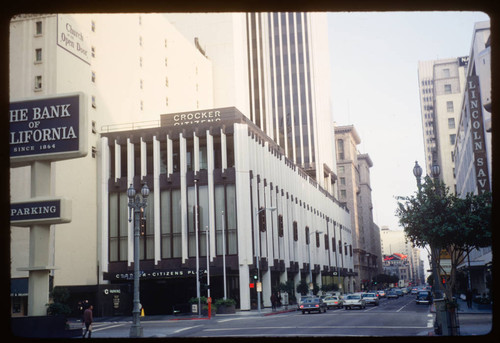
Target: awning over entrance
x=19, y=287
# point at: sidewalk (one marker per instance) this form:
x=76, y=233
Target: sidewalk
x=469, y=330
x=462, y=308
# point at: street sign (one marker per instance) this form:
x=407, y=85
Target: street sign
x=43, y=210
x=259, y=286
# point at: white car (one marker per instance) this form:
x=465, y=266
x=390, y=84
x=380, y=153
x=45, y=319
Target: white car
x=354, y=300
x=371, y=298
x=333, y=301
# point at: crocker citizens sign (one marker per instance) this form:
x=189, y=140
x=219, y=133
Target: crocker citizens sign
x=51, y=128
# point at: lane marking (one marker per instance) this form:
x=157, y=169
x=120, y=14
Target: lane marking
x=107, y=327
x=186, y=328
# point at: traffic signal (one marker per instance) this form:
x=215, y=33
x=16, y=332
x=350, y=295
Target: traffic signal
x=262, y=219
x=142, y=225
x=201, y=273
x=255, y=274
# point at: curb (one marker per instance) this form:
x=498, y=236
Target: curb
x=279, y=312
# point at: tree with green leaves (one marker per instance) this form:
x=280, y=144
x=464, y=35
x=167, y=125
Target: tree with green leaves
x=447, y=223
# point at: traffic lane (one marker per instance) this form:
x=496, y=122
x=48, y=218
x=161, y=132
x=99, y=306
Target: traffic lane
x=332, y=323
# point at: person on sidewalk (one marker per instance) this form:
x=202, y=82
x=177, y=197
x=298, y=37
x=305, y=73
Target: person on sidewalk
x=273, y=301
x=87, y=320
x=468, y=298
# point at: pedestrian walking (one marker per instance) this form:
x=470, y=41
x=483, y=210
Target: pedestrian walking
x=273, y=301
x=468, y=298
x=87, y=320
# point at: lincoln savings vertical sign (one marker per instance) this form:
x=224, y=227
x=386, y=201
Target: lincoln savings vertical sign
x=43, y=130
x=477, y=132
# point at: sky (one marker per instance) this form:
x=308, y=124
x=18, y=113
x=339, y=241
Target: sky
x=374, y=66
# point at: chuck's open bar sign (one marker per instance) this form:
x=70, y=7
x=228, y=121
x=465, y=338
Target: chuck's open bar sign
x=49, y=128
x=48, y=211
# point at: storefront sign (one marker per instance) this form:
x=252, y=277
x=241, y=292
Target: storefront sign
x=477, y=133
x=70, y=37
x=40, y=211
x=50, y=128
x=154, y=274
x=198, y=117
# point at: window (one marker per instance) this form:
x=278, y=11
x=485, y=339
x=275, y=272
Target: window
x=343, y=193
x=295, y=232
x=166, y=81
x=38, y=55
x=94, y=129
x=340, y=149
x=451, y=123
x=92, y=49
x=447, y=89
x=449, y=106
x=326, y=242
x=342, y=181
x=452, y=139
x=140, y=40
x=307, y=235
x=317, y=239
x=166, y=101
x=341, y=169
x=166, y=62
x=93, y=77
x=92, y=26
x=446, y=72
x=38, y=82
x=38, y=28
x=93, y=102
x=340, y=246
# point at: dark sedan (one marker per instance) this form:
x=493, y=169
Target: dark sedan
x=424, y=297
x=312, y=304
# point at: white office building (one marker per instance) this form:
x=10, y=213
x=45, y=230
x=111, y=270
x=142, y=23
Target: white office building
x=168, y=109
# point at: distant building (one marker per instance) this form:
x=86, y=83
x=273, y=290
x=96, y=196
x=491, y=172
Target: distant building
x=394, y=244
x=442, y=84
x=355, y=190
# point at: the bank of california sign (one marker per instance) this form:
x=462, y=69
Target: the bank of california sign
x=49, y=128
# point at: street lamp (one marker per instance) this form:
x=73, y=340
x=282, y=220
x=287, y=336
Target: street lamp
x=309, y=246
x=258, y=251
x=417, y=171
x=136, y=203
x=435, y=171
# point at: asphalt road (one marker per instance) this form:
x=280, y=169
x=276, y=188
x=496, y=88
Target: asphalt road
x=393, y=317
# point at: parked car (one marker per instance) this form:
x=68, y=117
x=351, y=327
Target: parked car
x=371, y=298
x=414, y=291
x=354, y=300
x=424, y=297
x=381, y=293
x=313, y=304
x=392, y=295
x=333, y=301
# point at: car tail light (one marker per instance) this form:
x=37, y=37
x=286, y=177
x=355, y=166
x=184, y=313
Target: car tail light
x=301, y=306
x=316, y=305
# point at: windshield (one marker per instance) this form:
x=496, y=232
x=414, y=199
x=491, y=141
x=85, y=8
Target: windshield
x=353, y=297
